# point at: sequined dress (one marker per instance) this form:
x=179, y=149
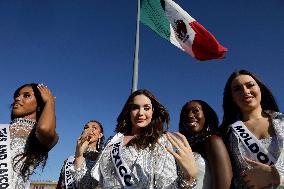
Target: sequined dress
x=82, y=175
x=273, y=144
x=150, y=168
x=203, y=175
x=20, y=129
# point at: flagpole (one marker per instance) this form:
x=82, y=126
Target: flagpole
x=135, y=63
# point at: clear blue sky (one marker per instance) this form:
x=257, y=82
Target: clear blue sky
x=83, y=50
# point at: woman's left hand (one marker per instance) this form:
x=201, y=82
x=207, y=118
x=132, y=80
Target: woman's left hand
x=45, y=93
x=183, y=155
x=260, y=175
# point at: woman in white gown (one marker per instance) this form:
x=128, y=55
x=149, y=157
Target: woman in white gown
x=254, y=132
x=199, y=123
x=32, y=134
x=142, y=155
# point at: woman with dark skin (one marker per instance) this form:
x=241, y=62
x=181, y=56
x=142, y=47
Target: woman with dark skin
x=253, y=129
x=32, y=131
x=199, y=123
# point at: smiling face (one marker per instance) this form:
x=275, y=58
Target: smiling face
x=194, y=118
x=141, y=112
x=25, y=104
x=246, y=93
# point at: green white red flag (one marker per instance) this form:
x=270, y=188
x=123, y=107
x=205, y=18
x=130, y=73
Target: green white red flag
x=171, y=22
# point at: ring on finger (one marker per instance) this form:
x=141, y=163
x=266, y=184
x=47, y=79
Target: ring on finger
x=176, y=149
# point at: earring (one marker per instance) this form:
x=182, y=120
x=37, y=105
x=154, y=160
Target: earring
x=98, y=144
x=208, y=129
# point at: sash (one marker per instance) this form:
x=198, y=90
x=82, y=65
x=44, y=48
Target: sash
x=121, y=167
x=252, y=144
x=5, y=157
x=95, y=170
x=69, y=181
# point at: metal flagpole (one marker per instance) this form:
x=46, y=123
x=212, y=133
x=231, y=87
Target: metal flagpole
x=135, y=63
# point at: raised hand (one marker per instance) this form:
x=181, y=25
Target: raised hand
x=260, y=175
x=45, y=93
x=83, y=142
x=183, y=155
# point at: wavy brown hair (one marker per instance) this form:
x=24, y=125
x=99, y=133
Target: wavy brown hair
x=35, y=153
x=150, y=134
x=232, y=112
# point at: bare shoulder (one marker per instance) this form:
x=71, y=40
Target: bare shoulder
x=214, y=140
x=215, y=144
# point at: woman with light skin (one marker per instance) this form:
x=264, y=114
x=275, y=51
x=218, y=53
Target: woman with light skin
x=88, y=148
x=142, y=156
x=32, y=132
x=199, y=123
x=253, y=128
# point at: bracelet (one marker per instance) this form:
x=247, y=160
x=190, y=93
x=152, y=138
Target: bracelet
x=187, y=185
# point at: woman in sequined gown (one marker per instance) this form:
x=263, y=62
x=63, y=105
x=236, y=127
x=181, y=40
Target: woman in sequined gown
x=141, y=155
x=32, y=131
x=199, y=123
x=247, y=102
x=88, y=148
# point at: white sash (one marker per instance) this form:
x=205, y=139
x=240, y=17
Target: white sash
x=69, y=181
x=121, y=167
x=252, y=144
x=5, y=157
x=95, y=173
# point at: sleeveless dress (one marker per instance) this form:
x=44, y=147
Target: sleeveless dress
x=203, y=175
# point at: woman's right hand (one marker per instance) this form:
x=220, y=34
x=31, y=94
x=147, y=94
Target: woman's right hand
x=82, y=145
x=83, y=142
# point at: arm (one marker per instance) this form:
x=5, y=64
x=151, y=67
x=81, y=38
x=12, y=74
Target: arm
x=45, y=130
x=219, y=162
x=278, y=170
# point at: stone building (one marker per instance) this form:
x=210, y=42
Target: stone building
x=43, y=185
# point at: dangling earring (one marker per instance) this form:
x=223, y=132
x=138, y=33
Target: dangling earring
x=98, y=144
x=38, y=109
x=208, y=129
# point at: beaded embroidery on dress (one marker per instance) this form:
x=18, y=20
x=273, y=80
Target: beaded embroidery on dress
x=151, y=168
x=82, y=176
x=20, y=129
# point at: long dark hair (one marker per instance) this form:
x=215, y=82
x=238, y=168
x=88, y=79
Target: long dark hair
x=210, y=126
x=34, y=153
x=231, y=110
x=150, y=134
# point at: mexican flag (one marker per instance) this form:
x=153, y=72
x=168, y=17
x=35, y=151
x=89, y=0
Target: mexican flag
x=171, y=22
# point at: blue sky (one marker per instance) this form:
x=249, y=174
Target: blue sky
x=83, y=50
